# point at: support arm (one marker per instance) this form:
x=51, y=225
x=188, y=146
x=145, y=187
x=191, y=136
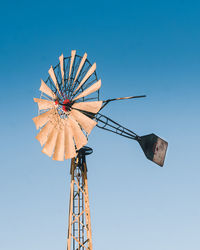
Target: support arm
x=153, y=146
x=108, y=124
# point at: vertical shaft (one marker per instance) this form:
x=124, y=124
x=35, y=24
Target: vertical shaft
x=79, y=222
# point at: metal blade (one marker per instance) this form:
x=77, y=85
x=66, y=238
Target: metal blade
x=50, y=143
x=45, y=89
x=79, y=138
x=73, y=53
x=70, y=151
x=61, y=59
x=154, y=148
x=53, y=77
x=59, y=148
x=80, y=67
x=40, y=120
x=44, y=132
x=85, y=122
x=92, y=107
x=88, y=74
x=43, y=104
x=91, y=89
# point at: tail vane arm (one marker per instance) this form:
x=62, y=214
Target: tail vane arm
x=153, y=146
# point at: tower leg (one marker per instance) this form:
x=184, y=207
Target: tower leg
x=79, y=222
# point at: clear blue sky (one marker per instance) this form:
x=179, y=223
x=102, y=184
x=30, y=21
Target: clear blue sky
x=140, y=47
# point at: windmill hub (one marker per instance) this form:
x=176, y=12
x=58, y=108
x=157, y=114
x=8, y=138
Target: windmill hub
x=67, y=104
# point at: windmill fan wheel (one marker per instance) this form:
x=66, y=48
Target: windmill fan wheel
x=71, y=89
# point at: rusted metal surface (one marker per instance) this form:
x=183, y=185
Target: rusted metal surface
x=154, y=148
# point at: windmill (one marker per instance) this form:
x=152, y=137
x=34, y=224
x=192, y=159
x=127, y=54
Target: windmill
x=69, y=108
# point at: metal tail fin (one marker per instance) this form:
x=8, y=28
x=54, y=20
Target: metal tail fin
x=154, y=148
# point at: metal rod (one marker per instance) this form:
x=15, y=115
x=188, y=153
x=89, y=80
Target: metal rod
x=121, y=98
x=110, y=125
x=124, y=98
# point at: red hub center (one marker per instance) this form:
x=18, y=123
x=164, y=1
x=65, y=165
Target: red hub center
x=66, y=107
